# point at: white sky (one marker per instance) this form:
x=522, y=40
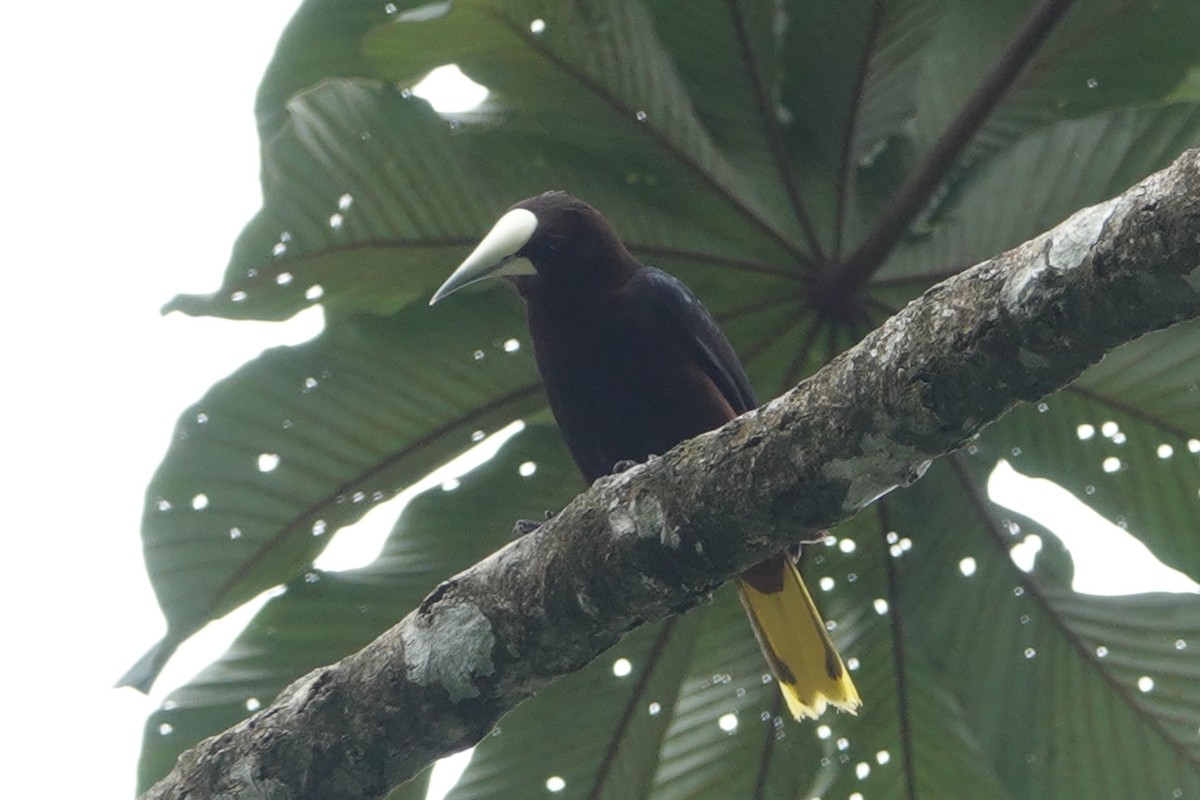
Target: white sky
x=130, y=164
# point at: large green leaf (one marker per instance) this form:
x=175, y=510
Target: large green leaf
x=1040, y=180
x=848, y=82
x=1123, y=439
x=306, y=439
x=1074, y=75
x=1022, y=653
x=322, y=41
x=748, y=147
x=323, y=615
x=361, y=201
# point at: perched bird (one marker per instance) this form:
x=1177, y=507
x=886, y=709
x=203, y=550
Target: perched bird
x=633, y=365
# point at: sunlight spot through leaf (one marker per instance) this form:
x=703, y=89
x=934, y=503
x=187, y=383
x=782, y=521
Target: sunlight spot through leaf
x=1107, y=560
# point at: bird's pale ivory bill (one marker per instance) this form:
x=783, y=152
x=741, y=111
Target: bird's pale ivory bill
x=496, y=254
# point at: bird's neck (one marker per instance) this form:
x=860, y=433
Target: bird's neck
x=590, y=284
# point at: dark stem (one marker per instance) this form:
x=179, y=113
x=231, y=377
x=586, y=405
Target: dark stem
x=291, y=529
x=766, y=113
x=924, y=279
x=754, y=306
x=665, y=251
x=912, y=196
x=833, y=339
x=898, y=655
x=976, y=493
x=618, y=736
x=755, y=350
x=846, y=169
x=1126, y=408
x=764, y=762
x=792, y=376
x=669, y=145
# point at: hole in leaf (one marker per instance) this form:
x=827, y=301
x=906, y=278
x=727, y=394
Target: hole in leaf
x=450, y=91
x=1024, y=553
x=1107, y=560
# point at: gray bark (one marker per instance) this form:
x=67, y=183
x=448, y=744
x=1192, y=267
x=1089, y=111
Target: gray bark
x=657, y=539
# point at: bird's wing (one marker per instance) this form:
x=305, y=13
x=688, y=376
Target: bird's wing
x=703, y=337
x=785, y=620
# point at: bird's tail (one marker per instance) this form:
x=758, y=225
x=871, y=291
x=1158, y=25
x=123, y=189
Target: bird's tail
x=793, y=639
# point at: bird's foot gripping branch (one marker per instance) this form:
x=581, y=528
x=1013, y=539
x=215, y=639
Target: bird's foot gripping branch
x=524, y=527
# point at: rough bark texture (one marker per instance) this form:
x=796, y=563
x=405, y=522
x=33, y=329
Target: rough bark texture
x=655, y=540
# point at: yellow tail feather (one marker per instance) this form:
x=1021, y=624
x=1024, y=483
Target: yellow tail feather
x=793, y=639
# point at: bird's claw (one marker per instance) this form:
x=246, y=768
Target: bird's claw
x=626, y=464
x=820, y=538
x=523, y=527
x=796, y=551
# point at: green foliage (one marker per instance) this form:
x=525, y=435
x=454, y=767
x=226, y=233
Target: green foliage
x=748, y=147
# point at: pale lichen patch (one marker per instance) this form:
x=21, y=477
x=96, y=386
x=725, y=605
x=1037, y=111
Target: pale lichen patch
x=1064, y=248
x=1071, y=241
x=651, y=521
x=872, y=474
x=586, y=605
x=620, y=520
x=642, y=515
x=1193, y=277
x=890, y=346
x=450, y=647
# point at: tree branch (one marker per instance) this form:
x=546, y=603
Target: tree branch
x=654, y=540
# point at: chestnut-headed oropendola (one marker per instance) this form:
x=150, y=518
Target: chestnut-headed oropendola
x=633, y=365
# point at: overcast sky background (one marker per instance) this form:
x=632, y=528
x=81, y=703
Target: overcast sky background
x=131, y=163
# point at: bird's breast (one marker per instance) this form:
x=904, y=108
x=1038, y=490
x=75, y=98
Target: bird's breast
x=622, y=386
